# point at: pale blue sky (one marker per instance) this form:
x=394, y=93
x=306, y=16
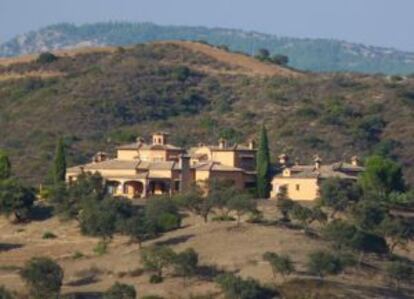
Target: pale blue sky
x=377, y=22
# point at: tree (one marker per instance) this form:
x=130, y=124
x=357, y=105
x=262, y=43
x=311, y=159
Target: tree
x=285, y=206
x=157, y=258
x=139, y=228
x=59, y=163
x=220, y=192
x=16, y=199
x=194, y=202
x=186, y=262
x=43, y=276
x=338, y=194
x=5, y=166
x=263, y=165
x=120, y=291
x=396, y=231
x=400, y=272
x=281, y=264
x=279, y=59
x=235, y=287
x=322, y=263
x=364, y=242
x=163, y=214
x=263, y=54
x=381, y=177
x=46, y=57
x=368, y=214
x=242, y=204
x=340, y=233
x=303, y=214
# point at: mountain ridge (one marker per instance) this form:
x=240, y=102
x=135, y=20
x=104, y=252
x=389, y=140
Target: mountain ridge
x=321, y=55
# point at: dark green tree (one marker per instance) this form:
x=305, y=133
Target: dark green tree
x=263, y=165
x=59, y=163
x=5, y=166
x=279, y=59
x=43, y=277
x=340, y=233
x=46, y=57
x=186, y=263
x=235, y=287
x=16, y=199
x=396, y=231
x=157, y=258
x=281, y=264
x=381, y=177
x=194, y=202
x=242, y=204
x=364, y=242
x=138, y=228
x=120, y=291
x=338, y=195
x=322, y=263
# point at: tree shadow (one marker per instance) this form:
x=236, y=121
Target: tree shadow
x=174, y=240
x=41, y=213
x=209, y=272
x=90, y=279
x=8, y=246
x=83, y=295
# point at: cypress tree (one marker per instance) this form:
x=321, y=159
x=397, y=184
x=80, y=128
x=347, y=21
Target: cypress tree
x=5, y=166
x=263, y=165
x=59, y=164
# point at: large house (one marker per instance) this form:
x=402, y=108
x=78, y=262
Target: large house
x=302, y=182
x=143, y=169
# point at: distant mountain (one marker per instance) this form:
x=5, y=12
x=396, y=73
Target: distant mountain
x=321, y=55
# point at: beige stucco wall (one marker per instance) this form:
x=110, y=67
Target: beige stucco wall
x=224, y=157
x=127, y=154
x=160, y=173
x=308, y=188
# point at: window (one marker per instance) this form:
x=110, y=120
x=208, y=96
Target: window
x=297, y=187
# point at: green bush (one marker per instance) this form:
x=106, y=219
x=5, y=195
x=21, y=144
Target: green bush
x=237, y=288
x=155, y=279
x=49, y=235
x=120, y=291
x=101, y=248
x=43, y=277
x=46, y=57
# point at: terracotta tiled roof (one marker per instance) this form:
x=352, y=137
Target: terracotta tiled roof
x=340, y=170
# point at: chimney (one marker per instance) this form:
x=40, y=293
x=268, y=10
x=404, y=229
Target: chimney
x=99, y=157
x=160, y=138
x=222, y=143
x=252, y=144
x=283, y=159
x=355, y=161
x=185, y=176
x=318, y=162
x=140, y=140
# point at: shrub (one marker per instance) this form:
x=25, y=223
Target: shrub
x=120, y=291
x=157, y=258
x=154, y=279
x=77, y=255
x=49, y=235
x=186, y=262
x=281, y=264
x=101, y=248
x=237, y=288
x=46, y=57
x=322, y=263
x=162, y=213
x=43, y=277
x=16, y=199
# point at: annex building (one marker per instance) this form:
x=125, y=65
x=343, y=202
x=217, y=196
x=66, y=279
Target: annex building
x=302, y=182
x=143, y=169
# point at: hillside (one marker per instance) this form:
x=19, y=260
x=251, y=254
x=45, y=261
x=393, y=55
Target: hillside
x=221, y=247
x=98, y=99
x=307, y=54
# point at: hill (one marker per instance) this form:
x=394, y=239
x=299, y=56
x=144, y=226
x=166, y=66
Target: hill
x=98, y=99
x=221, y=247
x=321, y=55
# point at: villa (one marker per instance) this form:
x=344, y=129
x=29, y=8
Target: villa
x=143, y=169
x=302, y=182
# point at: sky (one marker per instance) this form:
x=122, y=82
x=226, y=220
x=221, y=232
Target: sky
x=386, y=23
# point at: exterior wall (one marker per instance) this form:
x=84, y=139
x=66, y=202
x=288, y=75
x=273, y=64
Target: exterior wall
x=153, y=155
x=160, y=173
x=127, y=154
x=173, y=155
x=224, y=157
x=241, y=162
x=297, y=188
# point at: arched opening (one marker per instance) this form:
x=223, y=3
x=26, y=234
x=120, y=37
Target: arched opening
x=159, y=187
x=112, y=187
x=133, y=189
